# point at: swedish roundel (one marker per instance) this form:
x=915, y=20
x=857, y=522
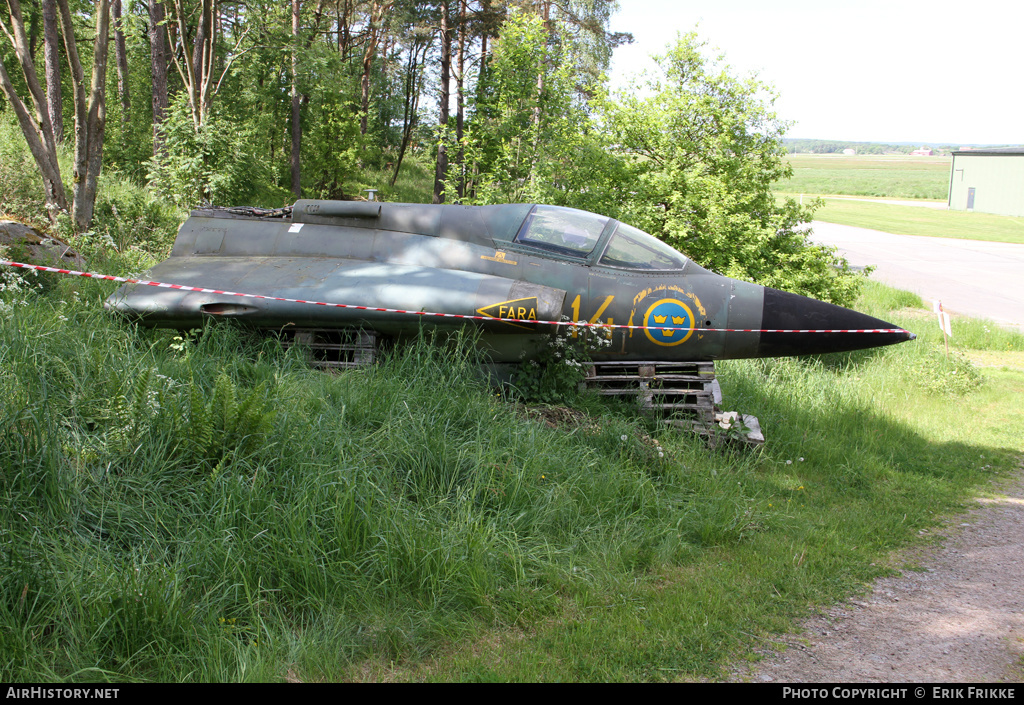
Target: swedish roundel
x=672, y=322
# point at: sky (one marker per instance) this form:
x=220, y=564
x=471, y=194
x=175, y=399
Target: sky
x=932, y=71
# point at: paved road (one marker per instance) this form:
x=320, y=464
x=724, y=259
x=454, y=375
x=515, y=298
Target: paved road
x=980, y=279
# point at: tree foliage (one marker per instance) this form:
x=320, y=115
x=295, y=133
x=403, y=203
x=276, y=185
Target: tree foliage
x=689, y=155
x=702, y=148
x=529, y=137
x=515, y=127
x=214, y=163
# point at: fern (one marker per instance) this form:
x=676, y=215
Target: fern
x=132, y=412
x=199, y=430
x=222, y=425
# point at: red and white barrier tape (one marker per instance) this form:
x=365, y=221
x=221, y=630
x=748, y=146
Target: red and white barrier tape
x=577, y=324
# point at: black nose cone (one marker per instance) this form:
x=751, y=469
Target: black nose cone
x=792, y=312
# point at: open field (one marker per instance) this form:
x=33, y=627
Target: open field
x=880, y=176
x=203, y=507
x=891, y=177
x=912, y=220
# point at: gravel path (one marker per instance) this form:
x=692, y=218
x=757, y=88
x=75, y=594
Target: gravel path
x=958, y=617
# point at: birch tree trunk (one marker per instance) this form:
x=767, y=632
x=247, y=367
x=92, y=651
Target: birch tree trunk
x=442, y=121
x=90, y=113
x=121, y=57
x=158, y=62
x=51, y=54
x=35, y=125
x=296, y=106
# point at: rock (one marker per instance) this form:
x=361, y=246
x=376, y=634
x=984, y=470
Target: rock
x=24, y=241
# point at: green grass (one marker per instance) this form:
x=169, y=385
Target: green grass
x=868, y=175
x=914, y=220
x=205, y=508
x=415, y=181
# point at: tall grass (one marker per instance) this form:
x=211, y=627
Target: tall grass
x=204, y=507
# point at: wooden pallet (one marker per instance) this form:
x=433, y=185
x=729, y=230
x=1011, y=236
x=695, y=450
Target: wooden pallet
x=669, y=387
x=333, y=348
x=686, y=393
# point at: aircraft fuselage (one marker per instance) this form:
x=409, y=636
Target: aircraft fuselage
x=524, y=262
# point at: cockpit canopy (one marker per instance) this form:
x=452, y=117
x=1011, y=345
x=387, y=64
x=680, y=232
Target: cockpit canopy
x=553, y=230
x=575, y=233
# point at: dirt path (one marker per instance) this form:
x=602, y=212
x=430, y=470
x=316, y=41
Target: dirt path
x=957, y=617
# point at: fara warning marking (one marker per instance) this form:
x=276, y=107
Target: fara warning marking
x=521, y=309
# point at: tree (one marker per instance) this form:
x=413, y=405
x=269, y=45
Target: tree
x=37, y=127
x=418, y=38
x=90, y=111
x=443, y=99
x=585, y=23
x=462, y=24
x=51, y=50
x=198, y=69
x=702, y=151
x=374, y=33
x=296, y=158
x=121, y=59
x=219, y=163
x=528, y=138
x=159, y=58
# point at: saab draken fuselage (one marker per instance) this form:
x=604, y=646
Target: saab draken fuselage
x=529, y=263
